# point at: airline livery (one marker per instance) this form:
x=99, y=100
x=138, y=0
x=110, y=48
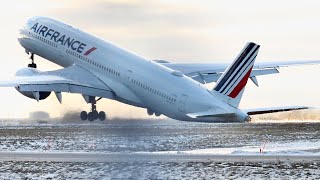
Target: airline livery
x=97, y=69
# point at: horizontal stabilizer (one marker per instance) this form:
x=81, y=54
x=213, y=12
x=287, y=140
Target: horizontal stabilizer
x=274, y=110
x=207, y=114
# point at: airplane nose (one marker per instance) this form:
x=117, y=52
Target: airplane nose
x=21, y=35
x=22, y=31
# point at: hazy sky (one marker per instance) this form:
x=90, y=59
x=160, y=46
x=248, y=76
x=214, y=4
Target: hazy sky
x=181, y=31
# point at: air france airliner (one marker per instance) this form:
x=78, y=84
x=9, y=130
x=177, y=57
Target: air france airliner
x=97, y=69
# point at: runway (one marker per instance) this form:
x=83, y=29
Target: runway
x=149, y=157
x=142, y=149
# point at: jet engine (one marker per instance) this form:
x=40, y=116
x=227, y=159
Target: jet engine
x=31, y=94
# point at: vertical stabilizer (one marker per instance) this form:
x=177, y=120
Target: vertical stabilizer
x=231, y=84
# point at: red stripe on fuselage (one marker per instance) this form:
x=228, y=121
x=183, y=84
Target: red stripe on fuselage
x=241, y=85
x=90, y=51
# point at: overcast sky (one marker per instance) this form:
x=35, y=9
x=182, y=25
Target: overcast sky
x=182, y=31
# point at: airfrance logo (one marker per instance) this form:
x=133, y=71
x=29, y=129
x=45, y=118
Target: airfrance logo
x=63, y=39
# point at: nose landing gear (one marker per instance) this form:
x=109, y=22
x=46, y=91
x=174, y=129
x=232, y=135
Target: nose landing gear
x=93, y=115
x=32, y=65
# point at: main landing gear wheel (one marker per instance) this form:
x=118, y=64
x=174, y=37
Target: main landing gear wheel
x=84, y=115
x=102, y=116
x=93, y=115
x=32, y=65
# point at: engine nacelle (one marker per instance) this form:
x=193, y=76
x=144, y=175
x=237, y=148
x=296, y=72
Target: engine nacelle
x=30, y=94
x=42, y=95
x=27, y=72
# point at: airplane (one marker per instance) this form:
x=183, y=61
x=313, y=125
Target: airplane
x=97, y=69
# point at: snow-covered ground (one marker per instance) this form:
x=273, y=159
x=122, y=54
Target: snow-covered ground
x=307, y=148
x=153, y=136
x=163, y=137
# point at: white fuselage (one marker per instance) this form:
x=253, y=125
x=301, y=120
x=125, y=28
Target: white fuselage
x=134, y=79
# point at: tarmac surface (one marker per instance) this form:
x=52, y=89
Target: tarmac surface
x=149, y=157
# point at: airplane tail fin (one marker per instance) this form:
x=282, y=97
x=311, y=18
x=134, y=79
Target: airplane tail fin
x=231, y=84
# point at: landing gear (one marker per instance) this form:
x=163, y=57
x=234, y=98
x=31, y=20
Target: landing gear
x=93, y=115
x=32, y=65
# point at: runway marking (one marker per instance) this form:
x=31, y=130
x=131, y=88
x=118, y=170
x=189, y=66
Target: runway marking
x=148, y=157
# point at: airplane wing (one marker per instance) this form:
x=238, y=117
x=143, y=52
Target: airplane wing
x=208, y=73
x=73, y=79
x=274, y=110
